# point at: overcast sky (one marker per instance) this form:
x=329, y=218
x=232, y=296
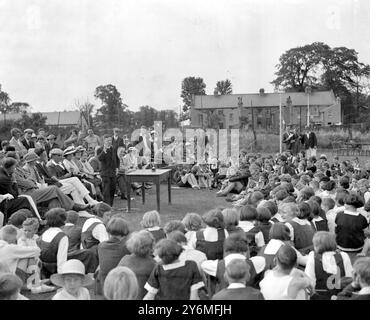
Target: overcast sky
x=54, y=52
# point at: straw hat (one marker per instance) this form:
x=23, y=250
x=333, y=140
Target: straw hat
x=28, y=131
x=80, y=149
x=69, y=150
x=56, y=151
x=51, y=136
x=30, y=156
x=72, y=266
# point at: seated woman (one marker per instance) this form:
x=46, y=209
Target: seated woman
x=91, y=175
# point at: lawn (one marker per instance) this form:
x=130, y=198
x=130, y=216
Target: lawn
x=184, y=200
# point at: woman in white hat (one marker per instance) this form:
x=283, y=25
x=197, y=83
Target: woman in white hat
x=72, y=279
x=74, y=169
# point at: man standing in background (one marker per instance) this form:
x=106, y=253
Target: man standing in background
x=109, y=163
x=309, y=141
x=91, y=141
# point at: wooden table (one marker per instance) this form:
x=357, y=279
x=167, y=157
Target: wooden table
x=148, y=175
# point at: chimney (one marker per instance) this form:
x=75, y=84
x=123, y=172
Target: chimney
x=262, y=92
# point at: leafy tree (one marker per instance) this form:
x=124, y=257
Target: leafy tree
x=6, y=106
x=4, y=103
x=298, y=67
x=112, y=107
x=324, y=68
x=190, y=86
x=223, y=87
x=34, y=121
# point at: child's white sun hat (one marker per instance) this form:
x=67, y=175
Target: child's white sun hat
x=72, y=266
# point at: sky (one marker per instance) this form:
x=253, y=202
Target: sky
x=54, y=53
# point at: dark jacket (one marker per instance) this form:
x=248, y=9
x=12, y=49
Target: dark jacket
x=7, y=185
x=116, y=144
x=44, y=173
x=310, y=141
x=109, y=162
x=56, y=170
x=27, y=145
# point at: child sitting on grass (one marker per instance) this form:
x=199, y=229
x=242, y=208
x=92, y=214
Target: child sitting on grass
x=72, y=279
x=237, y=274
x=173, y=279
x=151, y=222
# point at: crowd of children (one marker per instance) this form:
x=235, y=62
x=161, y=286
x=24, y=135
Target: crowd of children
x=291, y=228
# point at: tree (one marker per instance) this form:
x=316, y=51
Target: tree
x=4, y=103
x=298, y=67
x=7, y=107
x=112, y=106
x=324, y=68
x=35, y=121
x=86, y=110
x=190, y=86
x=223, y=87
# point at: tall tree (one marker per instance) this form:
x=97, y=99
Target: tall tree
x=321, y=67
x=4, y=103
x=298, y=67
x=190, y=86
x=223, y=87
x=112, y=106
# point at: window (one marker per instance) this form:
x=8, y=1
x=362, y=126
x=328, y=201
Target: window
x=231, y=117
x=201, y=119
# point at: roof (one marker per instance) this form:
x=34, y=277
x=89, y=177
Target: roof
x=64, y=118
x=318, y=98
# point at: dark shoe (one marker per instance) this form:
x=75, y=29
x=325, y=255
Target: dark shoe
x=80, y=207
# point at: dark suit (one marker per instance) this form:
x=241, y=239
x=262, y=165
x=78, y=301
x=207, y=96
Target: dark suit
x=116, y=144
x=8, y=207
x=56, y=170
x=310, y=141
x=44, y=173
x=109, y=162
x=29, y=144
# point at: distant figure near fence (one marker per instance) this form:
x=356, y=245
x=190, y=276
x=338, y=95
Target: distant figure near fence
x=309, y=141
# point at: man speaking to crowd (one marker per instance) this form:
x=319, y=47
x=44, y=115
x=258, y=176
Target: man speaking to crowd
x=109, y=164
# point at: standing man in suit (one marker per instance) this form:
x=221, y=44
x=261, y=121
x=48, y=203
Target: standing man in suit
x=109, y=164
x=117, y=141
x=50, y=145
x=27, y=140
x=309, y=141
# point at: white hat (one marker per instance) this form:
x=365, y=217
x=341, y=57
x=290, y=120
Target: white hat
x=69, y=150
x=72, y=266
